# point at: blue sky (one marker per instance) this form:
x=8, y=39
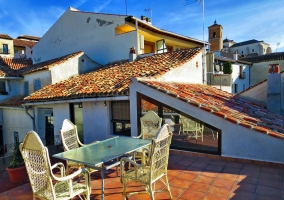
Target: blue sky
x=241, y=19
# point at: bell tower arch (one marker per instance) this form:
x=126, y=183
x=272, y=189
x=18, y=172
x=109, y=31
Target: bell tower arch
x=215, y=33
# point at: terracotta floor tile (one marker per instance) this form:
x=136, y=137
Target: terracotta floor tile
x=242, y=195
x=268, y=191
x=204, y=160
x=173, y=172
x=210, y=174
x=192, y=170
x=163, y=196
x=232, y=177
x=176, y=191
x=178, y=167
x=204, y=179
x=219, y=191
x=234, y=165
x=231, y=170
x=214, y=168
x=213, y=197
x=252, y=167
x=224, y=183
x=242, y=186
x=271, y=176
x=192, y=195
x=271, y=170
x=187, y=176
x=251, y=173
x=270, y=183
x=218, y=162
x=197, y=186
x=186, y=163
x=178, y=182
x=247, y=179
x=200, y=166
x=263, y=197
x=114, y=197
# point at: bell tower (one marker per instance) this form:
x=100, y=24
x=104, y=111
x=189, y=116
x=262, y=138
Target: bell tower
x=215, y=37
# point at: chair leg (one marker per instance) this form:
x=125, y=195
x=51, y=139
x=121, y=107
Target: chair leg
x=168, y=186
x=151, y=192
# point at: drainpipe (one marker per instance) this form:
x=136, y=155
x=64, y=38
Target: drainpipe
x=33, y=119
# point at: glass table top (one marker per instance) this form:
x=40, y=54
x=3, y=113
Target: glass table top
x=98, y=153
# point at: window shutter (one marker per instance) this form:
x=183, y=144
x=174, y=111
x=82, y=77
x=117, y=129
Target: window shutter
x=26, y=88
x=37, y=84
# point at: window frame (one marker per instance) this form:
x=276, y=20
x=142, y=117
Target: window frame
x=124, y=121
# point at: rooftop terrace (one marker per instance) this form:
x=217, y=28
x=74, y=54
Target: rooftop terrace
x=192, y=176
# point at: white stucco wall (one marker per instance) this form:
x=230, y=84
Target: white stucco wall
x=96, y=121
x=89, y=32
x=13, y=87
x=15, y=120
x=243, y=84
x=258, y=92
x=259, y=70
x=186, y=73
x=72, y=67
x=260, y=48
x=237, y=141
x=44, y=76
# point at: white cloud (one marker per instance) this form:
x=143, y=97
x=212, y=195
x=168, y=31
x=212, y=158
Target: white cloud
x=100, y=7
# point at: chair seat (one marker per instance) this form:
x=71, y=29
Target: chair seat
x=62, y=189
x=141, y=174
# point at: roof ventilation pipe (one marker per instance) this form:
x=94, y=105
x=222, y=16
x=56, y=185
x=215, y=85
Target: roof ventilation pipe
x=132, y=54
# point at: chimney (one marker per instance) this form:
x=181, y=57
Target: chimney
x=235, y=56
x=132, y=54
x=274, y=88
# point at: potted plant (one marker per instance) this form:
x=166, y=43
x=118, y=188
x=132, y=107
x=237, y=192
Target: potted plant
x=17, y=169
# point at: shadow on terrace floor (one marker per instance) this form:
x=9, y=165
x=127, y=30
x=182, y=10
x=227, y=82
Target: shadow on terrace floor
x=194, y=176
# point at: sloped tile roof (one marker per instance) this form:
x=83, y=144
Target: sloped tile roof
x=5, y=36
x=113, y=79
x=245, y=43
x=49, y=63
x=15, y=101
x=235, y=109
x=265, y=58
x=23, y=43
x=29, y=37
x=10, y=67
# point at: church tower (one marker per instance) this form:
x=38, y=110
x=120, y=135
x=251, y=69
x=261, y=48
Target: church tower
x=215, y=37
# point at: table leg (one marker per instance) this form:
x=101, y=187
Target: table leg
x=103, y=181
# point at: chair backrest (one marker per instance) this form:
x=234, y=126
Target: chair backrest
x=37, y=162
x=150, y=124
x=69, y=136
x=188, y=124
x=159, y=156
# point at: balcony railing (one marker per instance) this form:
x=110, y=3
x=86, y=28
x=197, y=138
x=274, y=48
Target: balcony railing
x=4, y=51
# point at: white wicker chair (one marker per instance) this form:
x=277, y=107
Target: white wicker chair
x=41, y=177
x=70, y=140
x=155, y=167
x=150, y=124
x=191, y=128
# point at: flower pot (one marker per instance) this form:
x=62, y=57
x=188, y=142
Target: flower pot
x=17, y=174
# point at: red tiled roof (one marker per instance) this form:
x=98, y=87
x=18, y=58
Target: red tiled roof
x=49, y=63
x=265, y=58
x=23, y=43
x=15, y=101
x=225, y=105
x=10, y=67
x=5, y=36
x=29, y=37
x=113, y=79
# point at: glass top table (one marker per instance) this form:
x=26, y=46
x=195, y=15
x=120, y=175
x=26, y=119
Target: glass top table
x=95, y=155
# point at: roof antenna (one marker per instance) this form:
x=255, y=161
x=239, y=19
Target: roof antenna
x=126, y=6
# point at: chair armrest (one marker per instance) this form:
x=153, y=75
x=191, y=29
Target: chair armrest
x=61, y=167
x=139, y=136
x=71, y=176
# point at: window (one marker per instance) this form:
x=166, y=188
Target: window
x=236, y=88
x=161, y=46
x=5, y=48
x=252, y=50
x=37, y=84
x=242, y=75
x=16, y=51
x=214, y=35
x=3, y=88
x=208, y=142
x=242, y=52
x=26, y=88
x=121, y=117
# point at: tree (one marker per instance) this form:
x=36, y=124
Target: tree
x=227, y=68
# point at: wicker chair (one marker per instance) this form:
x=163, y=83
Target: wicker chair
x=150, y=124
x=190, y=128
x=45, y=185
x=70, y=140
x=155, y=167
